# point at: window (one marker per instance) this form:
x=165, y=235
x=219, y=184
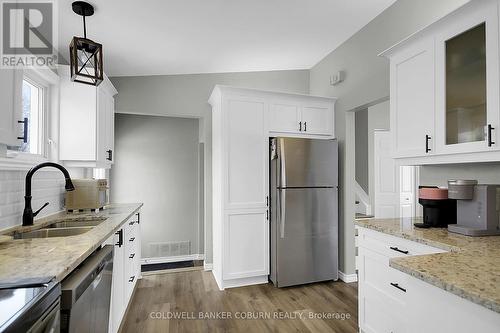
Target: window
x=34, y=106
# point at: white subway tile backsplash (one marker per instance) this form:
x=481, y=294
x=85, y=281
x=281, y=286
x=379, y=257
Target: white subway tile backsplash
x=48, y=186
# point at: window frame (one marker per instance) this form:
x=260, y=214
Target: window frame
x=48, y=80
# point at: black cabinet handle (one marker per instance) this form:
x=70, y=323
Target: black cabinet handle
x=131, y=256
x=267, y=201
x=396, y=285
x=131, y=223
x=110, y=155
x=25, y=123
x=132, y=239
x=132, y=278
x=305, y=126
x=300, y=126
x=267, y=215
x=490, y=141
x=427, y=138
x=120, y=237
x=398, y=250
x=138, y=218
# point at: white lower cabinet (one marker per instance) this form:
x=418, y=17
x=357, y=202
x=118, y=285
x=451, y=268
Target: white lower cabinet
x=126, y=269
x=391, y=301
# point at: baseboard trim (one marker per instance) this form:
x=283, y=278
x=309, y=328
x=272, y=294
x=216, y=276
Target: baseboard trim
x=163, y=260
x=235, y=283
x=348, y=278
x=208, y=267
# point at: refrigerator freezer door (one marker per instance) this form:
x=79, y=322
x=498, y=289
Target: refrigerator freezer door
x=306, y=236
x=307, y=162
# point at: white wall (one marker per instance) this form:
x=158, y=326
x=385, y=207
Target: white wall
x=484, y=173
x=157, y=163
x=378, y=119
x=367, y=80
x=361, y=120
x=187, y=96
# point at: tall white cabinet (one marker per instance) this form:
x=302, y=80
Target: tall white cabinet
x=10, y=105
x=242, y=122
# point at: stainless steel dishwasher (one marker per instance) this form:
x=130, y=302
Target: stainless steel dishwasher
x=86, y=294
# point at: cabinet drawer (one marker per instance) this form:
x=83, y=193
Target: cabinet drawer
x=391, y=246
x=380, y=312
x=376, y=273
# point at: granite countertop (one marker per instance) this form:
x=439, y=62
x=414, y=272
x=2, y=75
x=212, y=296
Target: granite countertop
x=471, y=268
x=58, y=256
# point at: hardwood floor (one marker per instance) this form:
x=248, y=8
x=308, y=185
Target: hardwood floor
x=181, y=302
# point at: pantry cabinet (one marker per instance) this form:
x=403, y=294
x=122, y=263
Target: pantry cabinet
x=243, y=120
x=444, y=88
x=86, y=122
x=126, y=269
x=10, y=106
x=392, y=301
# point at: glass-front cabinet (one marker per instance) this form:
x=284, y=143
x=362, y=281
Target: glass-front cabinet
x=467, y=85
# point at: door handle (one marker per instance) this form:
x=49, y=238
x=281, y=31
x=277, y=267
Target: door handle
x=490, y=140
x=282, y=212
x=120, y=237
x=25, y=123
x=305, y=126
x=300, y=126
x=427, y=138
x=110, y=155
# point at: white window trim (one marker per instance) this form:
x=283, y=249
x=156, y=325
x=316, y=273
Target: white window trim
x=23, y=161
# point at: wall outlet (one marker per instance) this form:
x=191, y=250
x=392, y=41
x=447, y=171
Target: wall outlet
x=337, y=78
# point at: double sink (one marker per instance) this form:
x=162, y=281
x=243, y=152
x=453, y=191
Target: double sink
x=62, y=228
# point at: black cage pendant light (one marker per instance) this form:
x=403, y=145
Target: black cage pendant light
x=85, y=54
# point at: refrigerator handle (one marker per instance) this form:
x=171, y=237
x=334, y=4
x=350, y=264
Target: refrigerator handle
x=281, y=148
x=282, y=201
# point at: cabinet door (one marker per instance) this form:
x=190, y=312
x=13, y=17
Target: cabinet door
x=102, y=125
x=467, y=82
x=10, y=105
x=317, y=118
x=284, y=117
x=110, y=130
x=412, y=100
x=118, y=286
x=246, y=244
x=246, y=152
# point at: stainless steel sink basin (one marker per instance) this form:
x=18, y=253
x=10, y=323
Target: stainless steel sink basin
x=75, y=223
x=53, y=232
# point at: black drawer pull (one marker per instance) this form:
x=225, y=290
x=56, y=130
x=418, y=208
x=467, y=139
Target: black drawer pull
x=132, y=278
x=110, y=155
x=132, y=256
x=120, y=237
x=396, y=285
x=138, y=218
x=300, y=126
x=131, y=223
x=427, y=148
x=398, y=250
x=305, y=126
x=132, y=239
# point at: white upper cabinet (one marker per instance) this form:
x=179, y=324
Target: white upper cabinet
x=86, y=122
x=412, y=100
x=467, y=82
x=445, y=89
x=301, y=116
x=10, y=106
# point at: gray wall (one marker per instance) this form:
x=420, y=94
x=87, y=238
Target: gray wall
x=157, y=164
x=485, y=173
x=367, y=80
x=187, y=95
x=361, y=120
x=378, y=119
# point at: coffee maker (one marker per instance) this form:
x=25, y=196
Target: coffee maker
x=439, y=211
x=478, y=208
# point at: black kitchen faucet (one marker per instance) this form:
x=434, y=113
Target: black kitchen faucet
x=28, y=214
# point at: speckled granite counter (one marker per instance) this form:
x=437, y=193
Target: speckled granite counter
x=470, y=270
x=58, y=256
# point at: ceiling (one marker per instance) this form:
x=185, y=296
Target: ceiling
x=157, y=37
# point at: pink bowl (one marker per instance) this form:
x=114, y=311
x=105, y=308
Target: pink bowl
x=433, y=193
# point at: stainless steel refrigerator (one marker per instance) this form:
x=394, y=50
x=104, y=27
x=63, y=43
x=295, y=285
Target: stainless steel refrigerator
x=304, y=210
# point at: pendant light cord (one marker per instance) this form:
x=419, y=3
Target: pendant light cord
x=84, y=28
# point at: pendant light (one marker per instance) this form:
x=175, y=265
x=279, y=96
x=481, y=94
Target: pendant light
x=85, y=54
